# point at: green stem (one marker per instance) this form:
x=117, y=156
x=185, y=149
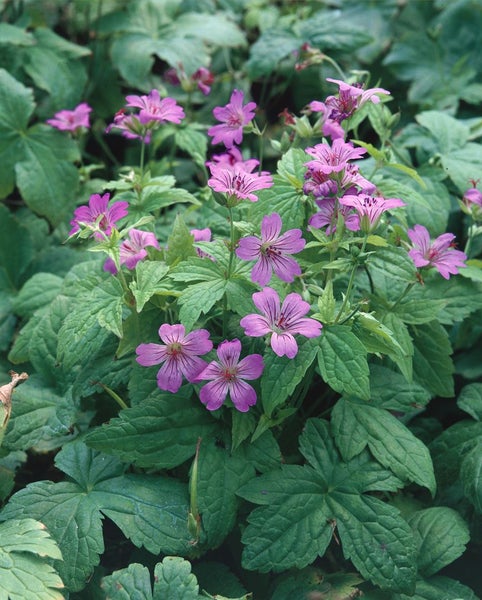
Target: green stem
x=229, y=271
x=350, y=282
x=113, y=395
x=333, y=63
x=143, y=153
x=403, y=294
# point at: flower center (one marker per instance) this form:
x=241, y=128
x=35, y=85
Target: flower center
x=174, y=349
x=229, y=374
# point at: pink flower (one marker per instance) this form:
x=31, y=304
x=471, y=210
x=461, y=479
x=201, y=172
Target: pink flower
x=204, y=79
x=328, y=214
x=130, y=126
x=72, y=120
x=350, y=97
x=329, y=127
x=473, y=196
x=439, y=254
x=272, y=250
x=334, y=158
x=370, y=208
x=152, y=108
x=234, y=116
x=227, y=377
x=133, y=250
x=232, y=157
x=202, y=235
x=98, y=216
x=237, y=182
x=282, y=323
x=179, y=353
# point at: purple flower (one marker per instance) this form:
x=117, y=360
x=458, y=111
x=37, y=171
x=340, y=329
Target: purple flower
x=282, y=323
x=133, y=250
x=334, y=158
x=202, y=235
x=204, y=79
x=98, y=216
x=271, y=251
x=329, y=127
x=328, y=214
x=350, y=97
x=72, y=120
x=234, y=116
x=439, y=254
x=232, y=157
x=179, y=353
x=370, y=208
x=152, y=108
x=227, y=377
x=237, y=182
x=473, y=196
x=130, y=126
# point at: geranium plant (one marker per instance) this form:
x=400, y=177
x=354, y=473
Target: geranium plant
x=238, y=337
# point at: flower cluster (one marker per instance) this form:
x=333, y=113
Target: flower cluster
x=72, y=120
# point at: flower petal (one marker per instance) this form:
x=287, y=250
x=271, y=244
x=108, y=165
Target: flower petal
x=150, y=354
x=213, y=394
x=242, y=395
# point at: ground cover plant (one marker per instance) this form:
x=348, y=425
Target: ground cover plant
x=240, y=300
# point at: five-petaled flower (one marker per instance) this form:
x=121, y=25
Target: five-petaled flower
x=152, y=108
x=72, y=120
x=237, y=182
x=350, y=97
x=327, y=216
x=133, y=250
x=227, y=377
x=370, y=208
x=272, y=250
x=98, y=216
x=440, y=253
x=179, y=355
x=234, y=116
x=282, y=322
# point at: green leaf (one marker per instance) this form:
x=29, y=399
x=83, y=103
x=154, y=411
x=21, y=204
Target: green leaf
x=335, y=33
x=391, y=270
x=194, y=142
x=41, y=418
x=198, y=299
x=220, y=474
x=461, y=297
x=449, y=132
x=162, y=432
x=391, y=391
x=310, y=582
x=15, y=36
x=470, y=400
x=441, y=535
x=400, y=331
x=284, y=198
x=357, y=424
x=450, y=446
x=376, y=539
x=342, y=361
x=24, y=572
x=471, y=476
x=151, y=511
x=269, y=49
x=281, y=375
x=147, y=282
x=37, y=292
x=459, y=164
x=126, y=584
x=179, y=243
x=438, y=587
x=173, y=579
x=301, y=506
x=16, y=248
x=433, y=368
x=375, y=336
x=416, y=311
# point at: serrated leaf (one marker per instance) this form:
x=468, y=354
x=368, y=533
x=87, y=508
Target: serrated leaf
x=450, y=446
x=269, y=49
x=400, y=330
x=37, y=292
x=376, y=539
x=283, y=198
x=173, y=579
x=162, y=432
x=148, y=277
x=392, y=444
x=433, y=368
x=16, y=249
x=438, y=587
x=441, y=535
x=179, y=243
x=342, y=361
x=24, y=574
x=41, y=418
x=198, y=299
x=126, y=584
x=281, y=375
x=459, y=163
x=335, y=33
x=312, y=582
x=391, y=270
x=471, y=476
x=392, y=391
x=449, y=132
x=470, y=400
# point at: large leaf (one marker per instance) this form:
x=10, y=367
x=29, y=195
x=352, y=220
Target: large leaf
x=301, y=507
x=432, y=525
x=342, y=361
x=25, y=572
x=162, y=432
x=16, y=248
x=433, y=368
x=357, y=424
x=269, y=49
x=151, y=511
